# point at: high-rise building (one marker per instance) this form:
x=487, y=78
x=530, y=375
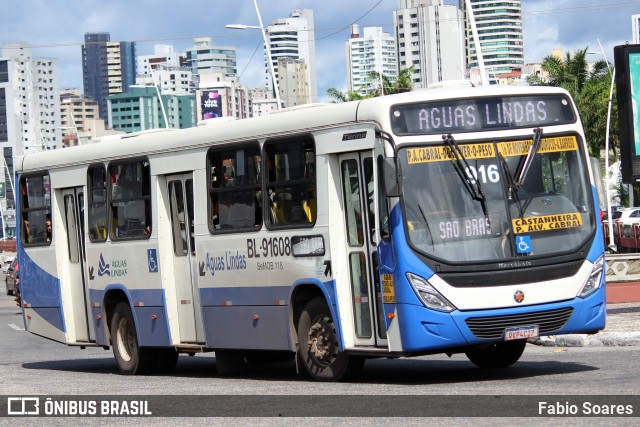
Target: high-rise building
x=31, y=100
x=74, y=110
x=294, y=38
x=261, y=102
x=429, y=38
x=293, y=82
x=163, y=56
x=635, y=29
x=170, y=80
x=499, y=24
x=29, y=117
x=374, y=51
x=221, y=96
x=166, y=69
x=108, y=68
x=140, y=109
x=203, y=58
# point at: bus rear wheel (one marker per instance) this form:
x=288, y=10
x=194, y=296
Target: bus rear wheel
x=318, y=345
x=130, y=358
x=498, y=355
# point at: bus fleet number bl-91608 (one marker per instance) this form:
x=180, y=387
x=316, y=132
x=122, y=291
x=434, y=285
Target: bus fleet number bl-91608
x=269, y=247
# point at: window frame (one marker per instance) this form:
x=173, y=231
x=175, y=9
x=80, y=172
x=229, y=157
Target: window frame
x=92, y=203
x=24, y=211
x=257, y=187
x=147, y=199
x=288, y=142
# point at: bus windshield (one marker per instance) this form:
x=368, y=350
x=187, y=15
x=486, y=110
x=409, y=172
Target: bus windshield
x=500, y=218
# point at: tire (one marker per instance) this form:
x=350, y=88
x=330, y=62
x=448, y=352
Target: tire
x=318, y=349
x=498, y=355
x=130, y=358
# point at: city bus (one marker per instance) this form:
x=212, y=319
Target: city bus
x=450, y=220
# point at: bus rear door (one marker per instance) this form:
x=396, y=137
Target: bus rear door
x=181, y=213
x=79, y=329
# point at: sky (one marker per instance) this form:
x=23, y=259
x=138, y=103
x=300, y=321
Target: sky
x=55, y=28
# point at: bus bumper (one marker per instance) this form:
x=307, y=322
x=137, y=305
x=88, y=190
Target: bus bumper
x=462, y=328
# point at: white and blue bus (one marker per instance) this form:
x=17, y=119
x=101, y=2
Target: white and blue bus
x=452, y=220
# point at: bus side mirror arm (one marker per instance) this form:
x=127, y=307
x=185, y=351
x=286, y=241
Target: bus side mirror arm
x=391, y=177
x=390, y=168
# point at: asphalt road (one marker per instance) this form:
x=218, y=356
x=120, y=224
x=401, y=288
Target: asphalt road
x=31, y=365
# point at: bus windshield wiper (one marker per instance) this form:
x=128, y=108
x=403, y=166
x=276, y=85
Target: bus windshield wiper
x=461, y=165
x=512, y=186
x=524, y=166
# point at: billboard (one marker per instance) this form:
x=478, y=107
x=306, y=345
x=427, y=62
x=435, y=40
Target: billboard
x=210, y=104
x=627, y=63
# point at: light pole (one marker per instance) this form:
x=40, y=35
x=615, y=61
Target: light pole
x=612, y=72
x=484, y=81
x=155, y=84
x=266, y=46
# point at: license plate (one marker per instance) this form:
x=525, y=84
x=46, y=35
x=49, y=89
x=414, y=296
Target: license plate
x=521, y=333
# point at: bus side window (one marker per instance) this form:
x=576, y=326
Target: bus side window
x=97, y=202
x=235, y=188
x=291, y=182
x=130, y=200
x=35, y=200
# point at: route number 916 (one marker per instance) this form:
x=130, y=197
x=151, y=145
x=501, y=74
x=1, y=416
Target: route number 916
x=484, y=173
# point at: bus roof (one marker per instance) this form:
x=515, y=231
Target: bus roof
x=152, y=142
x=286, y=122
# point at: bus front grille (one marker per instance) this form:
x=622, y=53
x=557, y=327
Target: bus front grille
x=494, y=326
x=511, y=277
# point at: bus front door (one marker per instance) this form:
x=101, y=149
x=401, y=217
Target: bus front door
x=360, y=195
x=180, y=192
x=79, y=329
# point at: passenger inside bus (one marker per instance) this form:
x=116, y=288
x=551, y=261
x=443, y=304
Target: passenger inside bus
x=48, y=224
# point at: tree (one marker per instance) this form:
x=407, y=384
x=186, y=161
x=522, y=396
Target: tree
x=404, y=83
x=570, y=73
x=337, y=95
x=589, y=88
x=593, y=104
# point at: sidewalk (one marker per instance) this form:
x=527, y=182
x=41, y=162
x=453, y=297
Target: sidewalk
x=622, y=329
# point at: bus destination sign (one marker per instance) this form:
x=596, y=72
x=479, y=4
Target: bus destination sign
x=481, y=114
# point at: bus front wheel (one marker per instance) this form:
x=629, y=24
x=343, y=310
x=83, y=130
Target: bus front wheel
x=130, y=358
x=498, y=355
x=318, y=345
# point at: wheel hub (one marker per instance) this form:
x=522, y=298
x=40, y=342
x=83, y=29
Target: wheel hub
x=322, y=340
x=125, y=340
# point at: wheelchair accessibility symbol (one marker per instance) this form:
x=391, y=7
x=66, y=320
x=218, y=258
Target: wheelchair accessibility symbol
x=523, y=245
x=153, y=260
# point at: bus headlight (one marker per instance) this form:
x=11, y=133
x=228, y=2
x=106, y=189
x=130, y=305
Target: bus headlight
x=593, y=282
x=428, y=295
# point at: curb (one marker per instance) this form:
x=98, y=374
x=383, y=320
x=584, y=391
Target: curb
x=601, y=339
